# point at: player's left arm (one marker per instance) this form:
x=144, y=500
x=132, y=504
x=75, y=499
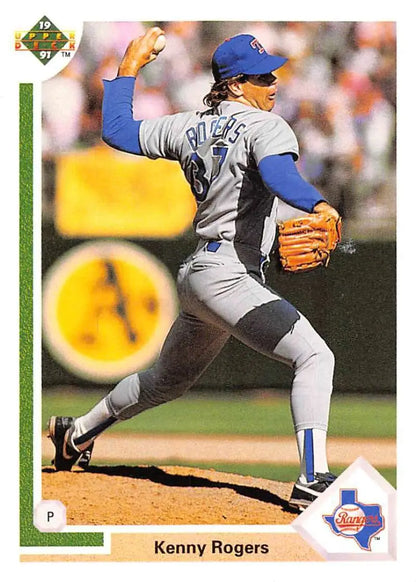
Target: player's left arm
x=119, y=128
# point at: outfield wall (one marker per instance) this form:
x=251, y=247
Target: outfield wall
x=352, y=304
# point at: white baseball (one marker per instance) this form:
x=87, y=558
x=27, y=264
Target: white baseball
x=159, y=44
x=350, y=519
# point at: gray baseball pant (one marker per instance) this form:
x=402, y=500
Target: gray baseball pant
x=219, y=298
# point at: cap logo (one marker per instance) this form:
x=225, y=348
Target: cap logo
x=257, y=46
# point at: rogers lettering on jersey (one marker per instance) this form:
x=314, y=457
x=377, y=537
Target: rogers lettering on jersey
x=222, y=127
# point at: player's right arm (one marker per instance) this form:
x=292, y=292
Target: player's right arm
x=275, y=150
x=119, y=129
x=280, y=175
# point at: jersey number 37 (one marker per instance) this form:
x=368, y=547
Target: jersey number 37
x=203, y=171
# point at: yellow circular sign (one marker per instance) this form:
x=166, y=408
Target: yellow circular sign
x=107, y=307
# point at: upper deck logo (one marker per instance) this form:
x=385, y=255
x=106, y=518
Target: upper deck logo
x=44, y=40
x=352, y=519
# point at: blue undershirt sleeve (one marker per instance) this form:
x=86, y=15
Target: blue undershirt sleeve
x=119, y=129
x=280, y=175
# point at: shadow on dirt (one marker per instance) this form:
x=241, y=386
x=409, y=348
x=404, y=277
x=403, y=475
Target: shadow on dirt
x=157, y=475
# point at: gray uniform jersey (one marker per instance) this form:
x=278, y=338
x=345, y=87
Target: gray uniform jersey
x=219, y=151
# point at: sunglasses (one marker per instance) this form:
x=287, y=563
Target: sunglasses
x=264, y=80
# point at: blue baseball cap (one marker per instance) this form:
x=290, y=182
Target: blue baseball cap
x=243, y=55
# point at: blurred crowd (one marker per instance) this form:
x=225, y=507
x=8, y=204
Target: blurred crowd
x=337, y=91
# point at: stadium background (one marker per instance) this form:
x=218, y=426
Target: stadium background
x=338, y=94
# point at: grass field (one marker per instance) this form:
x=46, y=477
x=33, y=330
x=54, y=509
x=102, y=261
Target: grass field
x=255, y=413
x=250, y=413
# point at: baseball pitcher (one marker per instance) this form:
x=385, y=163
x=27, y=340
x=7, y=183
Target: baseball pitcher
x=239, y=159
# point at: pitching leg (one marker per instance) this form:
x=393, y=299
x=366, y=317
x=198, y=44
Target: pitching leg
x=189, y=348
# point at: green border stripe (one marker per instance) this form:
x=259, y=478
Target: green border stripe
x=29, y=535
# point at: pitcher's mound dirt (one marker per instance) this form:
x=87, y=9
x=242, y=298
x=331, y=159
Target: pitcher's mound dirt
x=148, y=495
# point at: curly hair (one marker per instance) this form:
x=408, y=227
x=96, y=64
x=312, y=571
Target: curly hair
x=220, y=90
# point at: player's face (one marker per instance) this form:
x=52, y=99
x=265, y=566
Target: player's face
x=260, y=91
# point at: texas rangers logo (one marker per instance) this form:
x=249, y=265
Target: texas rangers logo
x=255, y=44
x=352, y=519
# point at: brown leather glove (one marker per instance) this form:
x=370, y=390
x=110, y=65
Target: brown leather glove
x=307, y=242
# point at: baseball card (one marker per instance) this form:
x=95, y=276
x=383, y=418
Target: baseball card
x=203, y=291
